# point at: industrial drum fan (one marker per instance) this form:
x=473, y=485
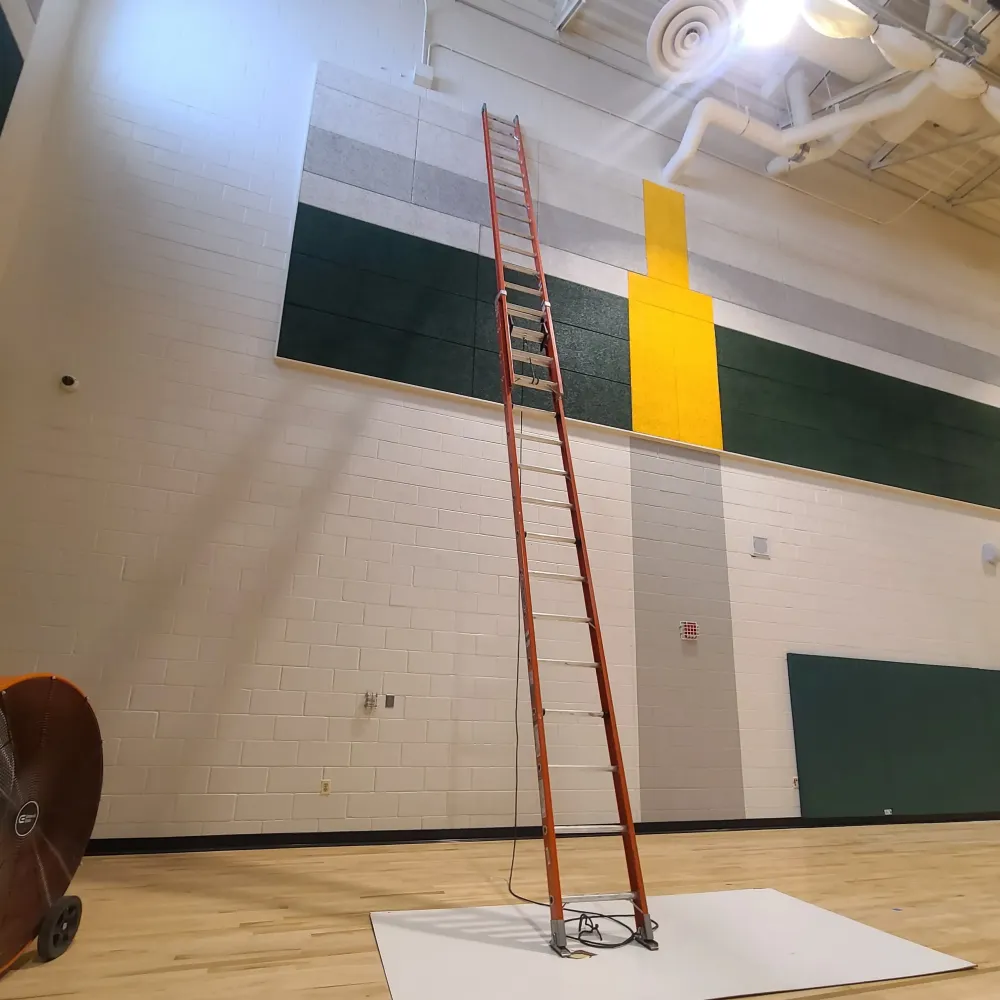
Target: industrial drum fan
x=51, y=770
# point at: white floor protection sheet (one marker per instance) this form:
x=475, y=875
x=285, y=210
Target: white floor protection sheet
x=712, y=945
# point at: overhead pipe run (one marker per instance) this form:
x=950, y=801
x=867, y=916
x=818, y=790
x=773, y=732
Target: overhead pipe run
x=792, y=146
x=811, y=140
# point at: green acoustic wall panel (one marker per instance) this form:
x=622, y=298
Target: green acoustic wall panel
x=368, y=299
x=10, y=67
x=872, y=736
x=792, y=406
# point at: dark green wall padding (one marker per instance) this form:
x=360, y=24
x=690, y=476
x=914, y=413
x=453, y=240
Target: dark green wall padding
x=791, y=406
x=10, y=67
x=872, y=736
x=371, y=300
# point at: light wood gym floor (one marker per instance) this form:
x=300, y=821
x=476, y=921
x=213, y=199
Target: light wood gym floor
x=294, y=923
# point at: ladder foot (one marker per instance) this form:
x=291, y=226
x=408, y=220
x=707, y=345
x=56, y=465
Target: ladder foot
x=559, y=943
x=644, y=932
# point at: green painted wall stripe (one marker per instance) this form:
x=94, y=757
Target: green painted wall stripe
x=368, y=299
x=11, y=64
x=872, y=735
x=791, y=406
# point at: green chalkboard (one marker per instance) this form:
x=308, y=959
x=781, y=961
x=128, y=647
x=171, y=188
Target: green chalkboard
x=874, y=738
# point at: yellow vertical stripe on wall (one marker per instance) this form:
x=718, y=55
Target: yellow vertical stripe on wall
x=666, y=234
x=675, y=372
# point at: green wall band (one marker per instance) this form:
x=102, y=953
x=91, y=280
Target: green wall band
x=791, y=406
x=368, y=299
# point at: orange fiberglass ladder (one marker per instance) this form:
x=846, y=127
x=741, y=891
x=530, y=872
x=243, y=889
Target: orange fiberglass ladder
x=533, y=363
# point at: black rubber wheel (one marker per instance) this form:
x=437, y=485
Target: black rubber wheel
x=59, y=927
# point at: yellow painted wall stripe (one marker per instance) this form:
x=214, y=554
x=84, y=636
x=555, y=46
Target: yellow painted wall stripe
x=666, y=234
x=675, y=373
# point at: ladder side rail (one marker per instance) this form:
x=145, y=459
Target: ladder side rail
x=534, y=683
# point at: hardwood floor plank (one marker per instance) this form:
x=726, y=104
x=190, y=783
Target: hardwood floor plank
x=294, y=923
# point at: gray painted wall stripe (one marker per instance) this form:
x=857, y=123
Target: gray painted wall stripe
x=373, y=169
x=765, y=295
x=358, y=163
x=690, y=759
x=450, y=193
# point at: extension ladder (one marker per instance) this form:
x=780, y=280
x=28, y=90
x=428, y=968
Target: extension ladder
x=533, y=363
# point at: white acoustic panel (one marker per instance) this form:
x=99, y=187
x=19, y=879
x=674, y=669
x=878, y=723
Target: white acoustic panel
x=712, y=945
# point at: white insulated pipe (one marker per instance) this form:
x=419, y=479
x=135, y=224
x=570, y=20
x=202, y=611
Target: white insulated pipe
x=788, y=143
x=797, y=91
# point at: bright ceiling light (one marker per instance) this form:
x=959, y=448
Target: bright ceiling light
x=769, y=22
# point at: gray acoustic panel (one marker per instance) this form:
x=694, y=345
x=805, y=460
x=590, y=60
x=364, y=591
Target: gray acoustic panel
x=578, y=234
x=733, y=284
x=451, y=193
x=690, y=759
x=357, y=163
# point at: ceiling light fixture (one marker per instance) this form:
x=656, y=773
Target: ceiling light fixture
x=769, y=22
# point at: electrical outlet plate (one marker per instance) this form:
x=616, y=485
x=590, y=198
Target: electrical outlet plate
x=324, y=786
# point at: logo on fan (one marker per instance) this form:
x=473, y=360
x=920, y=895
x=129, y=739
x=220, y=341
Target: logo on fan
x=27, y=819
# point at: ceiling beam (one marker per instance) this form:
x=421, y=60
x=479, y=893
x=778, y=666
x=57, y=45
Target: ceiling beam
x=888, y=159
x=565, y=13
x=962, y=194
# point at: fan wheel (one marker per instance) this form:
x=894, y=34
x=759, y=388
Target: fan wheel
x=59, y=927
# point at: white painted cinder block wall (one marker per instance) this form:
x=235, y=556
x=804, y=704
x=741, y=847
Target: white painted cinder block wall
x=854, y=571
x=225, y=553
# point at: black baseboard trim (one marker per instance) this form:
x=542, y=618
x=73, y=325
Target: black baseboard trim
x=116, y=846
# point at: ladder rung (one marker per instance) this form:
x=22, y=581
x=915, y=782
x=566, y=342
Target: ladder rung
x=524, y=312
x=527, y=358
x=529, y=382
x=520, y=250
x=542, y=468
x=541, y=502
x=504, y=156
x=516, y=188
x=600, y=897
x=534, y=336
x=579, y=619
x=583, y=767
x=527, y=289
x=587, y=664
x=514, y=218
x=537, y=536
x=540, y=438
x=578, y=712
x=564, y=577
x=503, y=121
x=520, y=268
x=503, y=170
x=569, y=831
x=505, y=146
x=517, y=236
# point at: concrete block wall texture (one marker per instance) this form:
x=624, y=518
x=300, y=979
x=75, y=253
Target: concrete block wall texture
x=226, y=554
